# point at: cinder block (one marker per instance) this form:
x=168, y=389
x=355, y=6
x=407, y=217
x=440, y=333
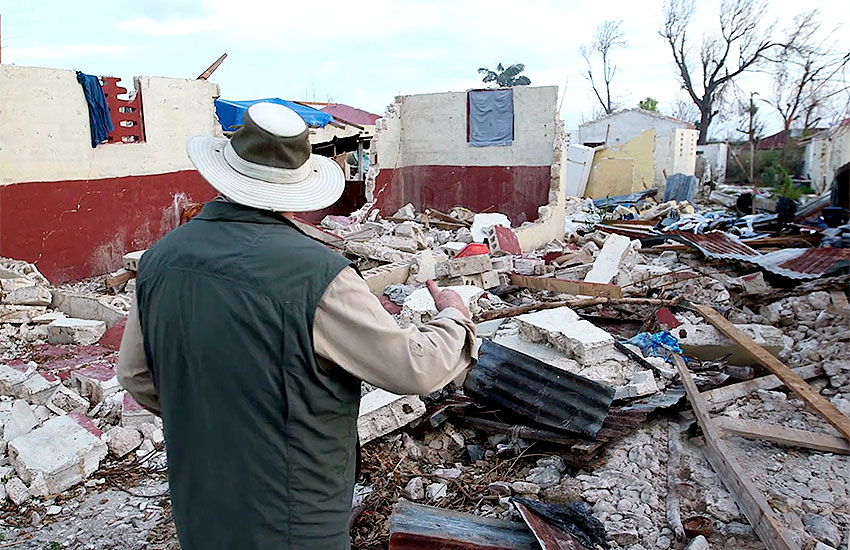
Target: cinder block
x=381, y=412
x=75, y=331
x=469, y=265
x=97, y=380
x=381, y=277
x=503, y=264
x=503, y=241
x=452, y=248
x=528, y=266
x=707, y=343
x=63, y=452
x=65, y=400
x=131, y=260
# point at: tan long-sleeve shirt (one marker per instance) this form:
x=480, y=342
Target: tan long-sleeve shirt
x=351, y=329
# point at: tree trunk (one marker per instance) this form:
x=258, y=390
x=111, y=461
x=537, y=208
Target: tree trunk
x=705, y=118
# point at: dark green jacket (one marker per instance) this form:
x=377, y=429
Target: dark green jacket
x=261, y=442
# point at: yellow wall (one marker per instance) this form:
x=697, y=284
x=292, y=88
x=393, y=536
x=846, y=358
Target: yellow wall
x=624, y=169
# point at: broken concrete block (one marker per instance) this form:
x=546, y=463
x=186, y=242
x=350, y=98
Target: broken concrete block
x=131, y=260
x=10, y=284
x=607, y=263
x=423, y=267
x=525, y=488
x=381, y=277
x=79, y=305
x=578, y=338
x=707, y=343
x=65, y=451
x=503, y=241
x=420, y=307
x=65, y=400
x=18, y=315
x=488, y=279
x=381, y=412
x=451, y=249
x=123, y=440
x=642, y=383
x=133, y=414
x=75, y=331
x=469, y=265
x=21, y=421
x=152, y=433
x=405, y=244
x=48, y=317
x=97, y=380
x=436, y=491
x=38, y=387
x=112, y=337
x=374, y=251
x=29, y=296
x=488, y=329
x=406, y=212
x=754, y=283
x=482, y=222
x=502, y=264
x=17, y=491
x=12, y=378
x=528, y=266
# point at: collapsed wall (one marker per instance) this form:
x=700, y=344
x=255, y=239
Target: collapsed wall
x=74, y=210
x=422, y=155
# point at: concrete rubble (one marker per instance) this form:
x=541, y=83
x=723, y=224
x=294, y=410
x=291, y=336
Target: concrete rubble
x=68, y=426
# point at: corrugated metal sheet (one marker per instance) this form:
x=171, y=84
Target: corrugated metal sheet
x=794, y=263
x=575, y=518
x=549, y=536
x=539, y=392
x=418, y=527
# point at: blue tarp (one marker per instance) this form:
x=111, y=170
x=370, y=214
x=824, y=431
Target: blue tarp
x=660, y=344
x=230, y=113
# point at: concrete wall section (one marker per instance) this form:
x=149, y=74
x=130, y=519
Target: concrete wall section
x=77, y=229
x=45, y=127
x=716, y=154
x=622, y=127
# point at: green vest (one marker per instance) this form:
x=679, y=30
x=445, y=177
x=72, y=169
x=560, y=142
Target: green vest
x=261, y=441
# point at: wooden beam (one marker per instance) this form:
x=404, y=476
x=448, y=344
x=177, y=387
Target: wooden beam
x=121, y=278
x=576, y=288
x=718, y=397
x=792, y=380
x=574, y=303
x=761, y=516
x=783, y=435
x=211, y=69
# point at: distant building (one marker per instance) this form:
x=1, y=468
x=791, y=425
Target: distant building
x=826, y=152
x=637, y=150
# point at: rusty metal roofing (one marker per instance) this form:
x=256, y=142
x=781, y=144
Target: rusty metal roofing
x=794, y=263
x=419, y=527
x=539, y=392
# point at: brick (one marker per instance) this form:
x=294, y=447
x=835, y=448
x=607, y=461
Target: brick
x=382, y=412
x=65, y=400
x=63, y=452
x=133, y=414
x=75, y=331
x=29, y=296
x=469, y=265
x=666, y=319
x=97, y=380
x=607, y=263
x=503, y=241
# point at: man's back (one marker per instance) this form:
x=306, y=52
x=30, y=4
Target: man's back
x=260, y=440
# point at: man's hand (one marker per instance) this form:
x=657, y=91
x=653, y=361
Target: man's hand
x=446, y=298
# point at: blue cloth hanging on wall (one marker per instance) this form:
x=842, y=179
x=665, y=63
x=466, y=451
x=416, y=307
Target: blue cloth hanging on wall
x=100, y=120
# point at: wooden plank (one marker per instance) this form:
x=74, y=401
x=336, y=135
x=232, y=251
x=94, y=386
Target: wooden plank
x=718, y=397
x=576, y=288
x=783, y=435
x=121, y=278
x=792, y=380
x=761, y=516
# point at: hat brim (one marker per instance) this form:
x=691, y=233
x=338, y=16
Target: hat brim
x=322, y=187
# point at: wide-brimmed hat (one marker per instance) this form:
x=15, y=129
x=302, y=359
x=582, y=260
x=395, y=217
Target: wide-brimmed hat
x=267, y=163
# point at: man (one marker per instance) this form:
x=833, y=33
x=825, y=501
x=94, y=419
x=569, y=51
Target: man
x=251, y=339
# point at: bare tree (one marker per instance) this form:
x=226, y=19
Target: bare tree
x=608, y=36
x=684, y=109
x=742, y=44
x=753, y=127
x=809, y=77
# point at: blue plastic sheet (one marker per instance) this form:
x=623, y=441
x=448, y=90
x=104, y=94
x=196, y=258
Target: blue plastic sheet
x=491, y=117
x=230, y=112
x=661, y=344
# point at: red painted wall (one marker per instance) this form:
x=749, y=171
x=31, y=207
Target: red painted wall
x=77, y=229
x=516, y=191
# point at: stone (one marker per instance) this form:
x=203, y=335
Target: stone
x=65, y=400
x=642, y=383
x=405, y=244
x=822, y=546
x=607, y=263
x=525, y=488
x=436, y=491
x=754, y=283
x=415, y=489
x=145, y=449
x=503, y=241
x=382, y=412
x=75, y=331
x=447, y=473
x=578, y=338
x=17, y=491
x=482, y=222
x=65, y=451
x=544, y=477
x=21, y=421
x=705, y=342
x=698, y=543
x=97, y=381
x=152, y=433
x=554, y=462
x=53, y=510
x=131, y=260
x=820, y=300
x=18, y=315
x=123, y=440
x=406, y=212
x=133, y=414
x=500, y=488
x=29, y=296
x=822, y=529
x=843, y=405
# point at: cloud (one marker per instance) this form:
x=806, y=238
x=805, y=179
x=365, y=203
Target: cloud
x=12, y=54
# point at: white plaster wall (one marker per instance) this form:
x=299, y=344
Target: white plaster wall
x=45, y=136
x=684, y=152
x=430, y=129
x=717, y=155
x=619, y=128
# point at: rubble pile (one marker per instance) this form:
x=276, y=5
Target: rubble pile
x=576, y=400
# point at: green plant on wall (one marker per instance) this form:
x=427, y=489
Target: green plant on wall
x=649, y=104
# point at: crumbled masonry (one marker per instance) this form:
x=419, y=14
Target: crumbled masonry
x=73, y=439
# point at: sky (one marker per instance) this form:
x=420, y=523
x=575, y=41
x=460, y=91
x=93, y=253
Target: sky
x=365, y=53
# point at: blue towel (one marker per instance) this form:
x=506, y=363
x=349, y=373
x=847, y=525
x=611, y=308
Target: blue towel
x=99, y=118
